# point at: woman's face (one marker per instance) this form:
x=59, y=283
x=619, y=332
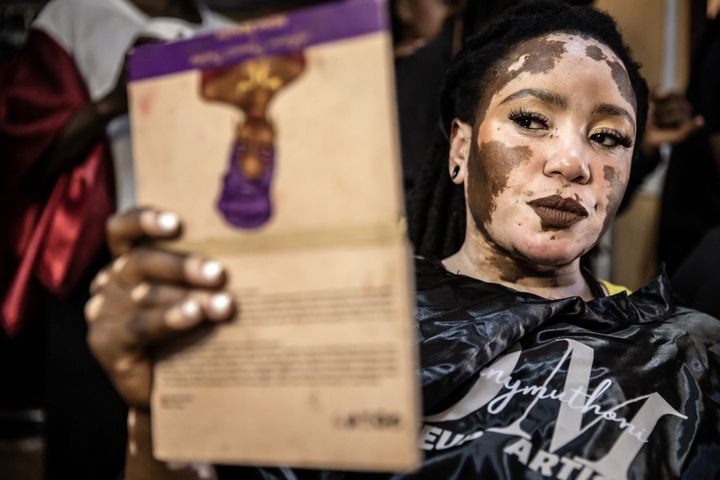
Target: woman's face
x=547, y=162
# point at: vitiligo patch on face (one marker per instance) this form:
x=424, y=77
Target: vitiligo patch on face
x=489, y=168
x=617, y=70
x=614, y=197
x=538, y=55
x=513, y=268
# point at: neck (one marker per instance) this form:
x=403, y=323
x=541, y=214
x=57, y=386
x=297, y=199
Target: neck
x=485, y=261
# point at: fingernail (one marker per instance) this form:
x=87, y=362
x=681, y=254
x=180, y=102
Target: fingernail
x=185, y=315
x=220, y=306
x=211, y=270
x=140, y=292
x=204, y=272
x=167, y=221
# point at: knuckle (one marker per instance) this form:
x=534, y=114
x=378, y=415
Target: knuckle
x=142, y=294
x=119, y=265
x=93, y=308
x=100, y=281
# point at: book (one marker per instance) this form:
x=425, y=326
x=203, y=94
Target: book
x=276, y=142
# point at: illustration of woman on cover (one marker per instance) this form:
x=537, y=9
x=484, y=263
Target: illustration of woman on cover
x=245, y=200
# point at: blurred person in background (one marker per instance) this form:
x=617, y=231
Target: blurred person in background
x=691, y=194
x=697, y=277
x=423, y=33
x=66, y=166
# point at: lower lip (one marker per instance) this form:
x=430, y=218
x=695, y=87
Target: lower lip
x=552, y=218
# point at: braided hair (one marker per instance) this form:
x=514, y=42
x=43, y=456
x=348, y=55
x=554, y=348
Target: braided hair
x=437, y=208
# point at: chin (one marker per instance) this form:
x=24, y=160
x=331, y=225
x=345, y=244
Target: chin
x=547, y=251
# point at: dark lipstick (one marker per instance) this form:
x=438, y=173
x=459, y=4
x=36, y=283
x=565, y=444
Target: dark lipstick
x=556, y=212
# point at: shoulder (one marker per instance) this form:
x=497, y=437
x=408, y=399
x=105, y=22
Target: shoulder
x=66, y=20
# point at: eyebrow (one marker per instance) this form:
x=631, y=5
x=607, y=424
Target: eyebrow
x=613, y=110
x=560, y=102
x=542, y=95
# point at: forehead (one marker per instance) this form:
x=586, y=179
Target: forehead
x=541, y=54
x=560, y=58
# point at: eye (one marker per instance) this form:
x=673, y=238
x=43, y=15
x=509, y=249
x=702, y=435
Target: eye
x=528, y=120
x=611, y=139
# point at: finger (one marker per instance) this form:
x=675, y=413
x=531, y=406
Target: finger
x=109, y=301
x=677, y=135
x=671, y=123
x=150, y=326
x=690, y=126
x=110, y=339
x=126, y=229
x=675, y=120
x=151, y=294
x=149, y=264
x=683, y=111
x=216, y=306
x=116, y=329
x=155, y=325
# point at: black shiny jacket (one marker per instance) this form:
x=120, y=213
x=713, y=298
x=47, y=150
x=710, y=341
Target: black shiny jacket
x=516, y=386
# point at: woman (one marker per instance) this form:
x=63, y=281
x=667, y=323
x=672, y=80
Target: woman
x=529, y=368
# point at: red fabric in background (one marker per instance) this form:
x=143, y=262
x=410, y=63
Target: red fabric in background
x=51, y=232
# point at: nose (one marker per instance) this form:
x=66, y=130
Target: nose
x=570, y=159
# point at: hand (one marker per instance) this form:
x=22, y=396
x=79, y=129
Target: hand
x=148, y=296
x=670, y=120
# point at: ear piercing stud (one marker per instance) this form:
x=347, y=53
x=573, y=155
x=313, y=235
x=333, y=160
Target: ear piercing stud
x=455, y=172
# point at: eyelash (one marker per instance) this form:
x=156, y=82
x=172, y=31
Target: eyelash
x=524, y=118
x=620, y=139
x=522, y=115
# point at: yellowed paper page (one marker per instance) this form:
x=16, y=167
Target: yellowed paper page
x=277, y=144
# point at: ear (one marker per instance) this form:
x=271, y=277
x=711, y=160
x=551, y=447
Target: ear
x=460, y=141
